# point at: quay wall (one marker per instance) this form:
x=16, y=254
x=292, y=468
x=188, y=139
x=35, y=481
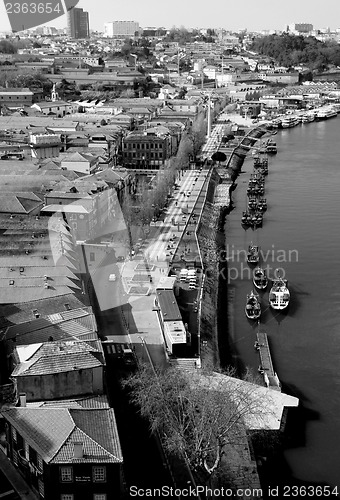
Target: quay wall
x=211, y=239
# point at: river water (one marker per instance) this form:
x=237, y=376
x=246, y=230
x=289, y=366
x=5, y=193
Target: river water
x=301, y=230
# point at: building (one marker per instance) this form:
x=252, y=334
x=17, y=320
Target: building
x=43, y=368
x=300, y=28
x=169, y=316
x=121, y=29
x=148, y=150
x=78, y=23
x=66, y=453
x=14, y=98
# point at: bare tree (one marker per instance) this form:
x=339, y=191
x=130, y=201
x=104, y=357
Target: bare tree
x=197, y=414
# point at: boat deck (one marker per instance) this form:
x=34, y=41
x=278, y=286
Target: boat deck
x=270, y=377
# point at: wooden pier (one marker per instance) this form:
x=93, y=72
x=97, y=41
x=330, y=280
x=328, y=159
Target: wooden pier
x=266, y=368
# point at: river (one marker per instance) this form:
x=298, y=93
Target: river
x=301, y=231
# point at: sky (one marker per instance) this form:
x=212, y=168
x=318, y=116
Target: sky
x=235, y=15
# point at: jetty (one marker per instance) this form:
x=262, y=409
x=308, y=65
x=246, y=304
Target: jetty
x=266, y=368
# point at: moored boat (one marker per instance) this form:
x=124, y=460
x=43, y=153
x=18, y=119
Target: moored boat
x=279, y=295
x=260, y=278
x=325, y=112
x=262, y=205
x=253, y=255
x=290, y=121
x=253, y=306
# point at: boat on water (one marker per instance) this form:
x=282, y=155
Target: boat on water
x=271, y=147
x=246, y=218
x=253, y=306
x=257, y=219
x=325, y=112
x=262, y=205
x=260, y=278
x=252, y=204
x=290, y=121
x=279, y=295
x=308, y=117
x=253, y=254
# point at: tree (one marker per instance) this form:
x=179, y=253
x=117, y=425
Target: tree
x=197, y=415
x=197, y=134
x=7, y=47
x=219, y=156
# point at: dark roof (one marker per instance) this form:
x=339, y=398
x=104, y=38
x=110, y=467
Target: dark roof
x=168, y=305
x=59, y=326
x=14, y=314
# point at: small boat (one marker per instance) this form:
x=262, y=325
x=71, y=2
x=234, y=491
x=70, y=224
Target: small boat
x=253, y=255
x=246, y=219
x=279, y=295
x=271, y=147
x=260, y=278
x=253, y=306
x=258, y=219
x=252, y=204
x=262, y=205
x=257, y=161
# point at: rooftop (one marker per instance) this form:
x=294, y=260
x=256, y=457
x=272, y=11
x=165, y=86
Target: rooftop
x=52, y=432
x=168, y=305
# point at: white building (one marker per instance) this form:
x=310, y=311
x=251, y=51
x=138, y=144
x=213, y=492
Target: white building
x=121, y=29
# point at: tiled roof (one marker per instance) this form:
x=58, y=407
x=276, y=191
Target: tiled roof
x=87, y=402
x=52, y=432
x=45, y=430
x=57, y=364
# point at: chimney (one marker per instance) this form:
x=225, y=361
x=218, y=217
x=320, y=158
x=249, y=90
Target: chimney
x=22, y=398
x=78, y=451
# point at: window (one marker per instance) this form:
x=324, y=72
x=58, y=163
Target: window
x=27, y=450
x=99, y=496
x=41, y=488
x=66, y=474
x=67, y=496
x=39, y=462
x=99, y=474
x=14, y=434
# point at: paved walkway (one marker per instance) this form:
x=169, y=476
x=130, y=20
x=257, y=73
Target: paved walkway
x=15, y=478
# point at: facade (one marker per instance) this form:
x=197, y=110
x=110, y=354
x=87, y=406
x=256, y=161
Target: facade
x=78, y=23
x=147, y=150
x=80, y=162
x=121, y=29
x=86, y=216
x=16, y=97
x=298, y=28
x=66, y=453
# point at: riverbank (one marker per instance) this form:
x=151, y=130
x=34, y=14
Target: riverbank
x=211, y=239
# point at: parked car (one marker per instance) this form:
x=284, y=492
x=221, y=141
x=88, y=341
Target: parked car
x=112, y=277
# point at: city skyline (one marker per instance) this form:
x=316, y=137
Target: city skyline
x=253, y=16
